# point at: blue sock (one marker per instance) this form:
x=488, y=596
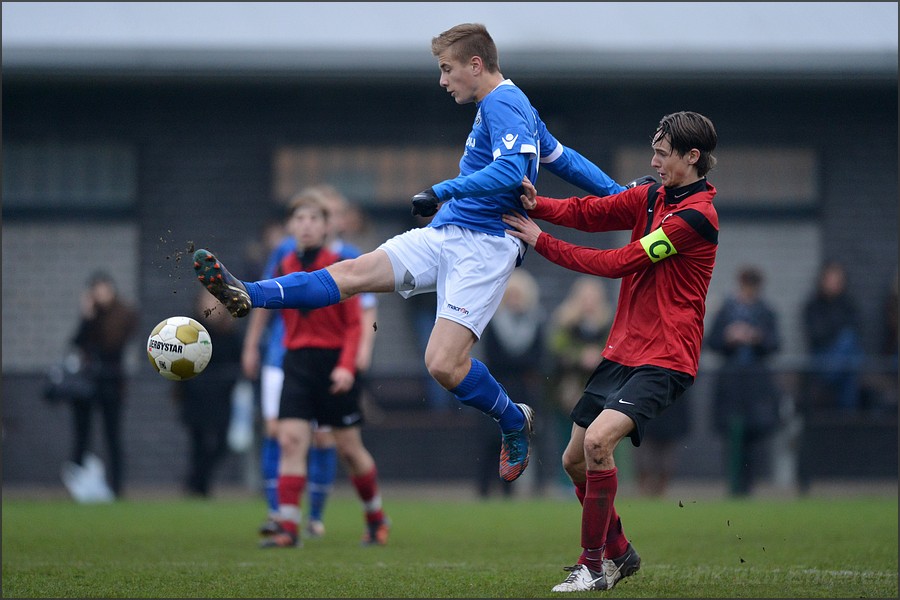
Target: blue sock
x=480, y=390
x=321, y=473
x=270, y=455
x=303, y=289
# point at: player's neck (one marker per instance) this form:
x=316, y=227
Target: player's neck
x=488, y=85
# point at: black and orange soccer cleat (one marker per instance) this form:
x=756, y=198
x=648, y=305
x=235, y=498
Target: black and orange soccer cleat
x=227, y=289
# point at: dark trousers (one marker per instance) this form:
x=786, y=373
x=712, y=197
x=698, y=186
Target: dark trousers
x=109, y=401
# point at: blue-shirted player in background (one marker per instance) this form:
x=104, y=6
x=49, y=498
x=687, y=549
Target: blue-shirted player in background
x=263, y=357
x=464, y=254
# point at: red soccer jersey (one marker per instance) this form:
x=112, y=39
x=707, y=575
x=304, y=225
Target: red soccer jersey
x=665, y=269
x=335, y=326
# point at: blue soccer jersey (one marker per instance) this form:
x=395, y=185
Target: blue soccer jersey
x=507, y=125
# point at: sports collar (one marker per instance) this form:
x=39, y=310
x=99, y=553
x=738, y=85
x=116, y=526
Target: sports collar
x=676, y=195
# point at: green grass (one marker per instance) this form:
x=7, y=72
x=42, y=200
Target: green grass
x=798, y=548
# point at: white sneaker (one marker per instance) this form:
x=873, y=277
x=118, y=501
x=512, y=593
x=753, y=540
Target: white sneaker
x=581, y=579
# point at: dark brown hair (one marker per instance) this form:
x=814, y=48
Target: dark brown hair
x=688, y=130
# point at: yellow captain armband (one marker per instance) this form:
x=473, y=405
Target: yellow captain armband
x=657, y=245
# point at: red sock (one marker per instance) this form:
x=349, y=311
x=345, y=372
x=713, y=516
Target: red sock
x=616, y=542
x=367, y=489
x=593, y=559
x=599, y=496
x=580, y=489
x=290, y=490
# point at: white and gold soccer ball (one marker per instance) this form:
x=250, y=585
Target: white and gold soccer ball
x=179, y=348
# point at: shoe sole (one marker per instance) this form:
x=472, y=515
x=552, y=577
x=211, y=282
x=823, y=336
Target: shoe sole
x=210, y=275
x=528, y=412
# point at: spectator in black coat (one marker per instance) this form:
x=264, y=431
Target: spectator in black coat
x=746, y=411
x=204, y=401
x=832, y=329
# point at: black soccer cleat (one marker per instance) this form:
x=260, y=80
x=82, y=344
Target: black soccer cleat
x=220, y=283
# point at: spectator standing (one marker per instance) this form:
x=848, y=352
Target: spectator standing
x=577, y=335
x=746, y=334
x=832, y=329
x=204, y=401
x=107, y=325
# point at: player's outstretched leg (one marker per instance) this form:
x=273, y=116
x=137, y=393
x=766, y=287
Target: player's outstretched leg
x=220, y=283
x=515, y=447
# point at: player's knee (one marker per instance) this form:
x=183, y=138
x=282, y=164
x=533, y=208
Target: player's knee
x=597, y=447
x=443, y=371
x=573, y=465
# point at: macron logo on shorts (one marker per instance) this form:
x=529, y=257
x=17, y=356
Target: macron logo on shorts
x=459, y=309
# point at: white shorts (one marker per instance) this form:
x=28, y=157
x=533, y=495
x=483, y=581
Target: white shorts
x=467, y=269
x=271, y=380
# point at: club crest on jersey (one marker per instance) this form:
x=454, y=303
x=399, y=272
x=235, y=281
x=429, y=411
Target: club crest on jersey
x=478, y=118
x=509, y=140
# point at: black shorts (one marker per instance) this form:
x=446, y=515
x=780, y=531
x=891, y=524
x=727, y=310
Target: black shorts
x=642, y=393
x=307, y=377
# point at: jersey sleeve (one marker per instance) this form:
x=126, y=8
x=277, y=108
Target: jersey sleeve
x=504, y=173
x=673, y=237
x=509, y=120
x=590, y=213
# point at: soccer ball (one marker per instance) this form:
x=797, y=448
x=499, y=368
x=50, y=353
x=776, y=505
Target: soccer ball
x=179, y=348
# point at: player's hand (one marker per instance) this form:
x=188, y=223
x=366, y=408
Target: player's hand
x=529, y=194
x=523, y=228
x=640, y=181
x=425, y=203
x=341, y=381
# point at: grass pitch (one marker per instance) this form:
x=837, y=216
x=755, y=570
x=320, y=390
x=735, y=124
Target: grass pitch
x=754, y=548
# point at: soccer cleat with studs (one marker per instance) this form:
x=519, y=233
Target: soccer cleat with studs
x=514, y=448
x=270, y=527
x=227, y=289
x=376, y=533
x=280, y=538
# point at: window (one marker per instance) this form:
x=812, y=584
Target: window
x=57, y=175
x=369, y=175
x=749, y=179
